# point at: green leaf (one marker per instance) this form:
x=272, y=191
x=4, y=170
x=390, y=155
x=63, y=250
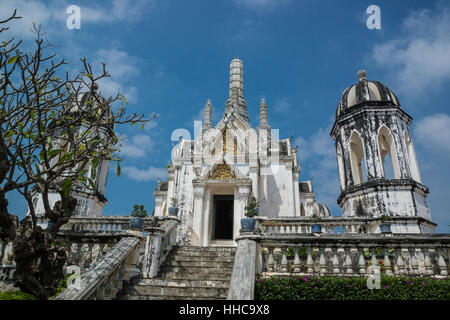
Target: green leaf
x=53, y=153
x=143, y=125
x=67, y=157
x=67, y=186
x=94, y=164
x=10, y=133
x=118, y=169
x=12, y=59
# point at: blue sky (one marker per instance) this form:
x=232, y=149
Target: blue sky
x=170, y=56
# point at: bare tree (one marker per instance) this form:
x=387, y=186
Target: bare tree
x=54, y=130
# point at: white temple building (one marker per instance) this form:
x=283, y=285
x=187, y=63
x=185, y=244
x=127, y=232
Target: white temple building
x=213, y=176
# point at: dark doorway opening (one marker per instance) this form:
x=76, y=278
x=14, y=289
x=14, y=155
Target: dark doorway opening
x=223, y=217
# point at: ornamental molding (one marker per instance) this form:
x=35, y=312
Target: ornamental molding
x=221, y=170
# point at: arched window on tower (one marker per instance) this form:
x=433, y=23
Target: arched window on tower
x=356, y=158
x=302, y=210
x=415, y=174
x=340, y=160
x=387, y=152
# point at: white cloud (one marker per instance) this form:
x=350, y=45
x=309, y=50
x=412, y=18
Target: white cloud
x=433, y=133
x=144, y=174
x=137, y=146
x=260, y=4
x=30, y=11
x=52, y=14
x=418, y=58
x=117, y=11
x=122, y=67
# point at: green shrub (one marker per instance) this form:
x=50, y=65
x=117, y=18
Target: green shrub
x=17, y=295
x=351, y=288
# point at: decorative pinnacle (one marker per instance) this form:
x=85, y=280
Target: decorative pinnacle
x=362, y=75
x=263, y=121
x=207, y=120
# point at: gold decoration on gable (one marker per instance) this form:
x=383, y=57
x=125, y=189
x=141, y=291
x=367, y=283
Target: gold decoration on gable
x=222, y=172
x=229, y=145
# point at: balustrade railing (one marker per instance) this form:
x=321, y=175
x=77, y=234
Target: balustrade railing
x=302, y=225
x=103, y=280
x=159, y=243
x=329, y=225
x=105, y=224
x=356, y=256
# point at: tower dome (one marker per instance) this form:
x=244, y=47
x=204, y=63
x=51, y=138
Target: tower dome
x=366, y=93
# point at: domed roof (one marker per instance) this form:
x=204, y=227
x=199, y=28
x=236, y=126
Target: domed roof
x=368, y=93
x=321, y=210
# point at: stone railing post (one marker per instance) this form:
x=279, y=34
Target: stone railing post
x=322, y=261
x=414, y=262
x=400, y=263
x=387, y=262
x=362, y=262
x=270, y=261
x=348, y=261
x=147, y=256
x=296, y=260
x=335, y=261
x=283, y=260
x=242, y=285
x=441, y=262
x=309, y=261
x=427, y=262
x=156, y=251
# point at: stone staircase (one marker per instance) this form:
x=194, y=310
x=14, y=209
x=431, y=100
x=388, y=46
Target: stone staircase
x=189, y=273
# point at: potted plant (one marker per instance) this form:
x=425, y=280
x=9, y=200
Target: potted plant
x=316, y=227
x=173, y=209
x=251, y=210
x=385, y=225
x=137, y=217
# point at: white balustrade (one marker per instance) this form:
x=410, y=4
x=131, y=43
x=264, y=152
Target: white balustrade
x=392, y=259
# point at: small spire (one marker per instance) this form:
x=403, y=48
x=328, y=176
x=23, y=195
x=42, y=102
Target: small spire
x=207, y=120
x=263, y=121
x=362, y=75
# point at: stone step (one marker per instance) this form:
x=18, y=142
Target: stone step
x=153, y=290
x=204, y=249
x=206, y=254
x=209, y=260
x=185, y=283
x=200, y=263
x=189, y=273
x=196, y=269
x=197, y=276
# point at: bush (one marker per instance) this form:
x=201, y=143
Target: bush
x=351, y=288
x=17, y=295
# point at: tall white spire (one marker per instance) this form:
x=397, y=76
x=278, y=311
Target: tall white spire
x=236, y=90
x=236, y=80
